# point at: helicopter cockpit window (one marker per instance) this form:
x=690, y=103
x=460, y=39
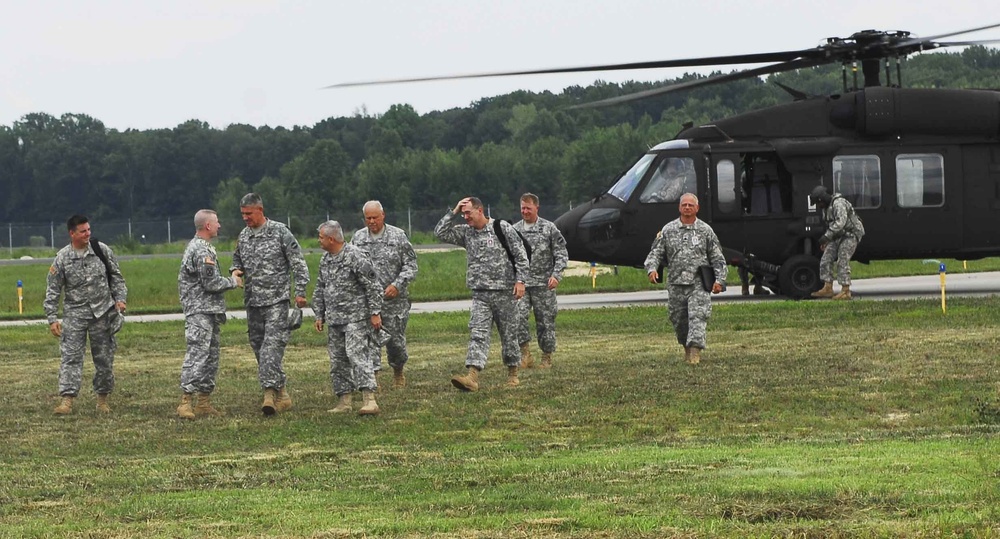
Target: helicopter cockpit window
x=622, y=189
x=726, y=173
x=673, y=177
x=858, y=178
x=919, y=180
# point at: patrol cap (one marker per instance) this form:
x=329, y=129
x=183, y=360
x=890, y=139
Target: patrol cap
x=294, y=318
x=117, y=321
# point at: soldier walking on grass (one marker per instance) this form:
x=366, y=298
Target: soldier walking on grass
x=201, y=284
x=843, y=233
x=548, y=261
x=267, y=256
x=683, y=246
x=496, y=279
x=348, y=299
x=95, y=294
x=396, y=266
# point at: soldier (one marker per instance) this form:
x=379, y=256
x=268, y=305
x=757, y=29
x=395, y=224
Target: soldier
x=548, y=261
x=683, y=246
x=496, y=271
x=267, y=256
x=200, y=285
x=396, y=266
x=348, y=298
x=843, y=233
x=95, y=294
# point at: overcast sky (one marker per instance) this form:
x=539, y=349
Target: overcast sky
x=155, y=64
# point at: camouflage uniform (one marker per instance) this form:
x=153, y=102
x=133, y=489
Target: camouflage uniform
x=843, y=233
x=200, y=285
x=548, y=259
x=269, y=257
x=682, y=249
x=88, y=308
x=347, y=294
x=395, y=264
x=491, y=278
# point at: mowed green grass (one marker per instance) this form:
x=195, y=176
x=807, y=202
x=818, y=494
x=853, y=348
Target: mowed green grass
x=805, y=419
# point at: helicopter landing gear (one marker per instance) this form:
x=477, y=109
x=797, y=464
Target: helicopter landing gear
x=799, y=276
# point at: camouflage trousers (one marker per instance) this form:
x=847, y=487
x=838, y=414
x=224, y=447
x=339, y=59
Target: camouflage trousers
x=489, y=307
x=395, y=348
x=542, y=301
x=838, y=252
x=690, y=308
x=349, y=346
x=72, y=347
x=268, y=330
x=201, y=361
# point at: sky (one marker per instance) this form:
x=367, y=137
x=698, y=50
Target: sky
x=155, y=64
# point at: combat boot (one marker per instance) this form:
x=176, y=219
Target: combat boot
x=825, y=292
x=370, y=407
x=512, y=380
x=687, y=354
x=343, y=405
x=468, y=381
x=398, y=380
x=527, y=361
x=745, y=289
x=65, y=405
x=184, y=411
x=102, y=403
x=546, y=360
x=205, y=407
x=270, y=394
x=283, y=401
x=845, y=292
x=695, y=355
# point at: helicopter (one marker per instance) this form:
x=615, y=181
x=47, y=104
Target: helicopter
x=920, y=166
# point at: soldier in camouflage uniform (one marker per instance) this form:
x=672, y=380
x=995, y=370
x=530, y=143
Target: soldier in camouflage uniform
x=495, y=282
x=348, y=298
x=396, y=265
x=548, y=261
x=200, y=284
x=843, y=233
x=683, y=245
x=94, y=301
x=267, y=256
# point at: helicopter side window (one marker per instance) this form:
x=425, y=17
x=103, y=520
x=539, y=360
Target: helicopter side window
x=858, y=179
x=622, y=189
x=673, y=177
x=919, y=180
x=726, y=174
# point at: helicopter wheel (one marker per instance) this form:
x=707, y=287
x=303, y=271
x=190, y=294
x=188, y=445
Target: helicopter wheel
x=798, y=277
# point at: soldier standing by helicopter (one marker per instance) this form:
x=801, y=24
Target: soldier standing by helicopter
x=843, y=233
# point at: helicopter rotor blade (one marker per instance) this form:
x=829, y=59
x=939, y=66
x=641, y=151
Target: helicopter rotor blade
x=915, y=40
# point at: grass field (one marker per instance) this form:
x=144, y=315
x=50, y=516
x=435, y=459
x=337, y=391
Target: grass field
x=805, y=419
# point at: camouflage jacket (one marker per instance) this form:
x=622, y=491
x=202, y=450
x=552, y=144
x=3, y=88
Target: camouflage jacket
x=548, y=251
x=84, y=280
x=347, y=288
x=488, y=266
x=841, y=220
x=682, y=248
x=395, y=264
x=200, y=282
x=268, y=258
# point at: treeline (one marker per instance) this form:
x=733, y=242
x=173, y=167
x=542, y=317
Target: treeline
x=496, y=148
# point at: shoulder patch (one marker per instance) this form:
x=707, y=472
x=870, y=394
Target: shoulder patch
x=52, y=269
x=210, y=261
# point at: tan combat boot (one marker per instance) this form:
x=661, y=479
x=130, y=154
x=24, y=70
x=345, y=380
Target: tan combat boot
x=185, y=411
x=687, y=354
x=102, y=403
x=825, y=292
x=270, y=394
x=205, y=407
x=468, y=381
x=546, y=360
x=65, y=405
x=343, y=405
x=512, y=380
x=398, y=380
x=370, y=407
x=283, y=401
x=845, y=292
x=527, y=361
x=695, y=356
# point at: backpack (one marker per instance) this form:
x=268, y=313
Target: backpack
x=506, y=247
x=104, y=258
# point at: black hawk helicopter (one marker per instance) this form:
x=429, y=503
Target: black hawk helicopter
x=920, y=166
